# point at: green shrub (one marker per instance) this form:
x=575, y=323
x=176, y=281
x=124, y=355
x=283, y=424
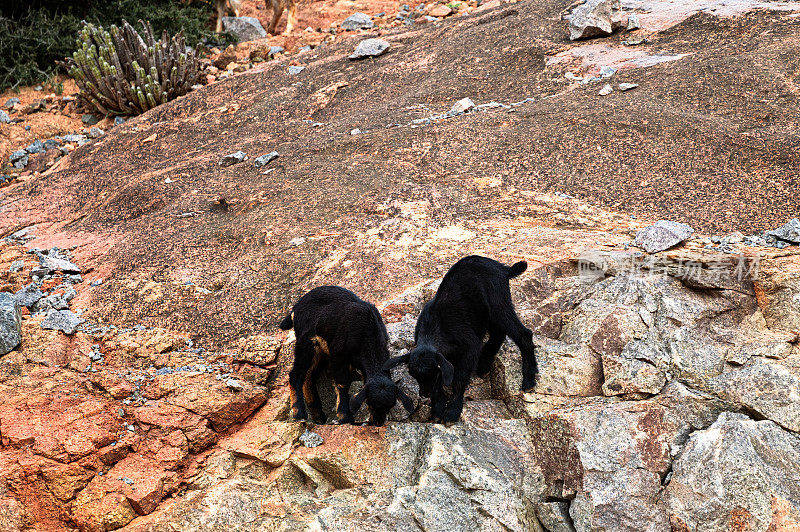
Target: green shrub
x=35, y=34
x=121, y=72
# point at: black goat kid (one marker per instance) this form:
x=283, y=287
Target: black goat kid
x=337, y=329
x=474, y=299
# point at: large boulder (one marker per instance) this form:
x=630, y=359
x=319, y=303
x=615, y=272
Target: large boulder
x=595, y=18
x=738, y=474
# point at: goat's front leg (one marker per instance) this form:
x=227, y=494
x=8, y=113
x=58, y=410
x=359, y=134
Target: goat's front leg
x=455, y=405
x=341, y=385
x=291, y=18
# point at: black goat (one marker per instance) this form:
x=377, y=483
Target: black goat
x=473, y=299
x=337, y=329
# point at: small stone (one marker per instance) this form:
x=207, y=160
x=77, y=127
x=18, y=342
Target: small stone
x=233, y=158
x=50, y=144
x=17, y=156
x=627, y=86
x=440, y=11
x=357, y=21
x=607, y=71
x=462, y=106
x=662, y=235
x=96, y=282
x=74, y=137
x=274, y=50
x=4, y=118
x=788, y=233
x=96, y=132
x=55, y=263
x=355, y=131
x=595, y=18
x=311, y=439
x=118, y=121
x=264, y=160
x=10, y=323
x=245, y=28
x=127, y=480
x=299, y=241
x=131, y=428
x=606, y=90
x=633, y=22
x=37, y=146
x=295, y=69
x=234, y=385
x=28, y=296
x=16, y=266
x=10, y=103
x=89, y=120
x=62, y=320
x=370, y=48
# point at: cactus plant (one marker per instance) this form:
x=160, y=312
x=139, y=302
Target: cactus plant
x=120, y=72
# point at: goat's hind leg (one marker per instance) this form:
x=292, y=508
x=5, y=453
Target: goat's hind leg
x=341, y=385
x=489, y=351
x=303, y=360
x=523, y=337
x=311, y=394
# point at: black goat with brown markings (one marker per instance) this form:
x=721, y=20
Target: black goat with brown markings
x=473, y=299
x=338, y=330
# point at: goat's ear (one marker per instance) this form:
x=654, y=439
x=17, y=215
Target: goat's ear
x=396, y=361
x=408, y=404
x=358, y=400
x=446, y=368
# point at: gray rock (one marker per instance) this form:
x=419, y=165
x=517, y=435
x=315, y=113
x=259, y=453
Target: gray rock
x=234, y=385
x=37, y=146
x=275, y=50
x=89, y=120
x=607, y=71
x=606, y=90
x=50, y=144
x=28, y=296
x=10, y=323
x=293, y=70
x=96, y=132
x=370, y=48
x=310, y=439
x=789, y=232
x=770, y=389
x=17, y=156
x=53, y=301
x=357, y=21
x=56, y=263
x=627, y=86
x=595, y=18
x=244, y=28
x=233, y=158
x=118, y=121
x=62, y=320
x=462, y=106
x=264, y=160
x=737, y=467
x=74, y=137
x=4, y=118
x=11, y=102
x=16, y=266
x=662, y=235
x=633, y=22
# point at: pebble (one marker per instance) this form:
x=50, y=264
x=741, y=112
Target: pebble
x=62, y=320
x=355, y=131
x=234, y=384
x=275, y=50
x=311, y=439
x=233, y=158
x=96, y=132
x=357, y=21
x=118, y=121
x=131, y=428
x=370, y=48
x=16, y=266
x=74, y=137
x=295, y=69
x=633, y=22
x=37, y=146
x=4, y=118
x=607, y=71
x=127, y=480
x=28, y=296
x=462, y=106
x=299, y=241
x=627, y=86
x=11, y=102
x=264, y=160
x=89, y=120
x=606, y=90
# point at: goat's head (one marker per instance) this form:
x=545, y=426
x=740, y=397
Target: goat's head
x=380, y=394
x=427, y=366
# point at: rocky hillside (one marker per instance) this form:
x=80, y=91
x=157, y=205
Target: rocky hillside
x=148, y=390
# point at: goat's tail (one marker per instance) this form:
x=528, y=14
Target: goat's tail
x=517, y=268
x=287, y=322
